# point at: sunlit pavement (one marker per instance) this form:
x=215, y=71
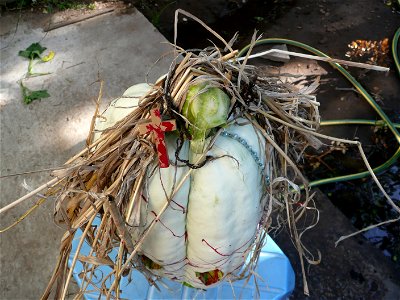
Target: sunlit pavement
x=117, y=48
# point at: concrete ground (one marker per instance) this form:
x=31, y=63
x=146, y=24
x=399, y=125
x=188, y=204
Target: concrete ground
x=355, y=269
x=117, y=48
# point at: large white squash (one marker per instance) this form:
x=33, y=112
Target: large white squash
x=208, y=230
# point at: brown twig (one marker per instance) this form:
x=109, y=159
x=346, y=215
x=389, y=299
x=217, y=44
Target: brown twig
x=120, y=225
x=79, y=19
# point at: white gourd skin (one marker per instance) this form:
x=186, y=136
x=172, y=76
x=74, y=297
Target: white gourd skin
x=120, y=107
x=165, y=243
x=224, y=206
x=212, y=221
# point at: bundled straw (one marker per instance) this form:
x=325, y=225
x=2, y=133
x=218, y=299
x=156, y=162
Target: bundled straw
x=106, y=179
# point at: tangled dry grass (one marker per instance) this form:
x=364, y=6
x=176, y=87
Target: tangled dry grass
x=106, y=178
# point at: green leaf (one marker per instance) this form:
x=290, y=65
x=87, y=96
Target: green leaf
x=39, y=94
x=30, y=96
x=24, y=53
x=33, y=51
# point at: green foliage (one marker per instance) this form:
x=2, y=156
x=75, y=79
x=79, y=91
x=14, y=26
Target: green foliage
x=33, y=51
x=49, y=6
x=29, y=95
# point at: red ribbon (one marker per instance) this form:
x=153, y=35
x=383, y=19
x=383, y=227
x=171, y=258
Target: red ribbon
x=156, y=127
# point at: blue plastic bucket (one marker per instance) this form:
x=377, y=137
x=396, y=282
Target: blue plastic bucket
x=275, y=280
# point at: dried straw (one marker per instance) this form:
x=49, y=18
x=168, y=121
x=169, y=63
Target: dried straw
x=106, y=178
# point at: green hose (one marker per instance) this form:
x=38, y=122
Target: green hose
x=396, y=50
x=385, y=120
x=356, y=122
